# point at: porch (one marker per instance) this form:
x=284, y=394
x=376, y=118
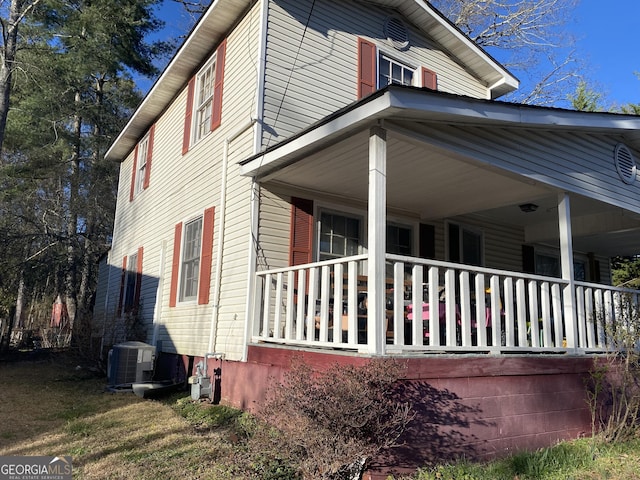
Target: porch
x=479, y=310
x=413, y=158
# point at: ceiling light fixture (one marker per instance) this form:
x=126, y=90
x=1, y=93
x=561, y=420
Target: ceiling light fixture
x=528, y=207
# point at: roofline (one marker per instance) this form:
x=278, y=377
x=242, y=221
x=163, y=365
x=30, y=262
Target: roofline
x=173, y=79
x=508, y=83
x=182, y=65
x=421, y=104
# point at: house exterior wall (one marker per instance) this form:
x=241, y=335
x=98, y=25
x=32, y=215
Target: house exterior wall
x=182, y=187
x=502, y=243
x=312, y=61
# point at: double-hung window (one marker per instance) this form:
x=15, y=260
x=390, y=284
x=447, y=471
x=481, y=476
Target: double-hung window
x=204, y=100
x=391, y=71
x=547, y=263
x=142, y=164
x=143, y=150
x=130, y=283
x=377, y=69
x=192, y=260
x=340, y=236
x=190, y=263
x=399, y=239
x=465, y=245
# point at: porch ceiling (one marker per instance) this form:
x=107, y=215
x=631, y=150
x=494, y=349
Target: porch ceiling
x=431, y=183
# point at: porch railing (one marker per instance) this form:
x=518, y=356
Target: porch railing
x=435, y=306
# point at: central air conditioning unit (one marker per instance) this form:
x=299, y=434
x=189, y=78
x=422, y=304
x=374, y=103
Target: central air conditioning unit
x=130, y=362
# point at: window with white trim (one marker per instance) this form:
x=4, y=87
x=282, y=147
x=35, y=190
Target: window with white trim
x=399, y=239
x=190, y=261
x=143, y=153
x=131, y=283
x=547, y=263
x=340, y=236
x=466, y=244
x=205, y=82
x=391, y=71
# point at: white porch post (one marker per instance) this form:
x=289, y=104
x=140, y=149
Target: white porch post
x=376, y=240
x=566, y=262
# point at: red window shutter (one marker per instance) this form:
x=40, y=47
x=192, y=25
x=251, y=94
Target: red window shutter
x=123, y=277
x=132, y=190
x=175, y=265
x=204, y=282
x=301, y=238
x=147, y=171
x=366, y=67
x=216, y=113
x=136, y=298
x=186, y=139
x=429, y=79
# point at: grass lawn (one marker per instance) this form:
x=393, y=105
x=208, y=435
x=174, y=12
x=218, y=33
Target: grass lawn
x=50, y=406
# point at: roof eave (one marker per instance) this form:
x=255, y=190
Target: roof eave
x=205, y=35
x=421, y=104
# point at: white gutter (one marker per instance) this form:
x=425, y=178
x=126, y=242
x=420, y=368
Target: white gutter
x=222, y=206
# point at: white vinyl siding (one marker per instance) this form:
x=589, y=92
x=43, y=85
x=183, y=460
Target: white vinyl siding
x=577, y=163
x=312, y=61
x=150, y=220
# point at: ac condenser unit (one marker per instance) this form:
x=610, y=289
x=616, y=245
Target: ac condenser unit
x=130, y=362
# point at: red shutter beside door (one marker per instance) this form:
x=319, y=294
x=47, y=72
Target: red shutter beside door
x=186, y=138
x=204, y=282
x=366, y=67
x=301, y=237
x=175, y=265
x=216, y=113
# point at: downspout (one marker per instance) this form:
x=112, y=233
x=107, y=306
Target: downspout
x=252, y=254
x=222, y=206
x=157, y=313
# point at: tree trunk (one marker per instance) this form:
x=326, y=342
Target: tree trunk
x=17, y=11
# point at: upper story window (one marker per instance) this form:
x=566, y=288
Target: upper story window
x=204, y=100
x=391, y=71
x=141, y=173
x=143, y=149
x=377, y=70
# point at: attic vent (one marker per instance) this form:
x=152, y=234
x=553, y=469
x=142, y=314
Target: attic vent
x=625, y=164
x=396, y=32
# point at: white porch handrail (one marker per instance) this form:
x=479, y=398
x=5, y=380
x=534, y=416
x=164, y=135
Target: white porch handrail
x=433, y=306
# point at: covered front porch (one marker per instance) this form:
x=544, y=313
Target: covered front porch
x=551, y=179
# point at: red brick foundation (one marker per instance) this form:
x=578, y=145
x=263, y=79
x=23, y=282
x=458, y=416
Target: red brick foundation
x=477, y=407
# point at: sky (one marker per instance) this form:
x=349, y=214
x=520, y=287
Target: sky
x=607, y=38
x=606, y=41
